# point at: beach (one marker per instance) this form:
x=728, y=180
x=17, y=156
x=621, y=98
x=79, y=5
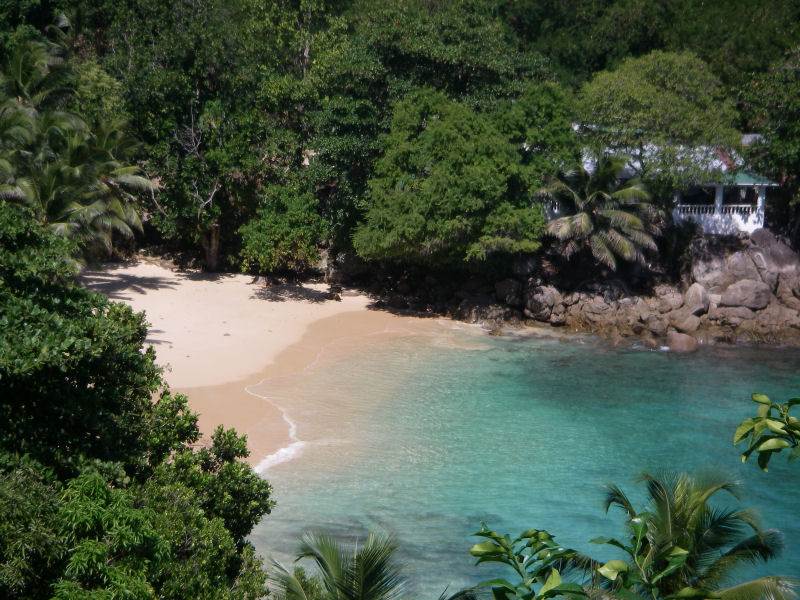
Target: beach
x=219, y=335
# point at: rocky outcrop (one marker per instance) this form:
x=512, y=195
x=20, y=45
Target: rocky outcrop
x=745, y=291
x=739, y=291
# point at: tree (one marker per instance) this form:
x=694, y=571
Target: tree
x=666, y=111
x=448, y=190
x=284, y=235
x=101, y=491
x=771, y=105
x=535, y=559
x=365, y=573
x=75, y=176
x=609, y=217
x=770, y=433
x=692, y=543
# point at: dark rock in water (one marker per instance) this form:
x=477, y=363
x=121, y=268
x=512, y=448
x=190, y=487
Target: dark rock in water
x=748, y=293
x=680, y=342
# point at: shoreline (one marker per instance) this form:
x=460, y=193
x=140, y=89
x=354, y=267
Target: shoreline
x=219, y=336
x=265, y=419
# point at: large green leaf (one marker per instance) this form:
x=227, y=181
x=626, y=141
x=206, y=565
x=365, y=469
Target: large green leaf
x=612, y=569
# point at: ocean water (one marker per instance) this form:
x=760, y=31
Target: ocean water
x=427, y=436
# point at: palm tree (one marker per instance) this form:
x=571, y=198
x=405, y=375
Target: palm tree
x=366, y=573
x=76, y=177
x=681, y=521
x=602, y=212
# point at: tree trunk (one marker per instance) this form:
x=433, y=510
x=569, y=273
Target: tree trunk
x=211, y=247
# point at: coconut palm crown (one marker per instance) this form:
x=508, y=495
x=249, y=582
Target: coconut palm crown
x=367, y=572
x=716, y=540
x=602, y=212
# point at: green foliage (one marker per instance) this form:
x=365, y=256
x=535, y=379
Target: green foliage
x=101, y=492
x=449, y=189
x=28, y=527
x=76, y=178
x=284, y=234
x=98, y=96
x=535, y=558
x=61, y=341
x=611, y=218
x=666, y=111
x=685, y=545
x=770, y=433
x=770, y=103
x=191, y=84
x=113, y=546
x=367, y=571
x=581, y=37
x=460, y=48
x=226, y=487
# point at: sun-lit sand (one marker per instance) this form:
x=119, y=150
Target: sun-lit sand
x=218, y=334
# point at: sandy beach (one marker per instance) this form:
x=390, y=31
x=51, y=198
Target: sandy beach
x=217, y=335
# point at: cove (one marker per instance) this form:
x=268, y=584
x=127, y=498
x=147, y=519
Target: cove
x=425, y=436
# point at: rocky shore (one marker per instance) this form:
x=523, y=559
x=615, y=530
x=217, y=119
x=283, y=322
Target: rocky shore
x=738, y=291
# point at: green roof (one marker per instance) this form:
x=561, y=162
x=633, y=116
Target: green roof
x=746, y=178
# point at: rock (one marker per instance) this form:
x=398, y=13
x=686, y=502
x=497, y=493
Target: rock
x=740, y=266
x=696, y=299
x=772, y=257
x=748, y=293
x=656, y=325
x=787, y=290
x=668, y=297
x=777, y=317
x=508, y=292
x=598, y=310
x=539, y=301
x=558, y=316
x=680, y=342
x=689, y=324
x=711, y=273
x=731, y=316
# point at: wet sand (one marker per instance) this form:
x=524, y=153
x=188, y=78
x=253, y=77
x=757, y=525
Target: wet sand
x=218, y=336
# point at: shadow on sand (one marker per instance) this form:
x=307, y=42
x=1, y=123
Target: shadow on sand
x=286, y=291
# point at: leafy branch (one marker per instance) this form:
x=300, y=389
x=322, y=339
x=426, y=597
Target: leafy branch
x=770, y=433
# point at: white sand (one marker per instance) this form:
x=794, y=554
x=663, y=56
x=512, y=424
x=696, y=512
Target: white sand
x=219, y=334
x=210, y=329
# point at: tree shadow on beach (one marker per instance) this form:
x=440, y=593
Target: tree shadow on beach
x=284, y=292
x=114, y=285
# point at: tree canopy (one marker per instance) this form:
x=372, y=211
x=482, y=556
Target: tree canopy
x=666, y=111
x=450, y=188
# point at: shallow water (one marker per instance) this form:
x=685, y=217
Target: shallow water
x=425, y=436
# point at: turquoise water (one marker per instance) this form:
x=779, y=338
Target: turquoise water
x=425, y=436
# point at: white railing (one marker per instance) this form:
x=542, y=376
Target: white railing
x=730, y=219
x=738, y=209
x=695, y=209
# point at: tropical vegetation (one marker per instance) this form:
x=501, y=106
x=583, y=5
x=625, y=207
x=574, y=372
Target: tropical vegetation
x=415, y=135
x=103, y=491
x=770, y=432
x=602, y=212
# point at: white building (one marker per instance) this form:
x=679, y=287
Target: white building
x=731, y=206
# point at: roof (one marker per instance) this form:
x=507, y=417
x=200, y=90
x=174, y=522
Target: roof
x=744, y=178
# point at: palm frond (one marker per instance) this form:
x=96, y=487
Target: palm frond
x=765, y=588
